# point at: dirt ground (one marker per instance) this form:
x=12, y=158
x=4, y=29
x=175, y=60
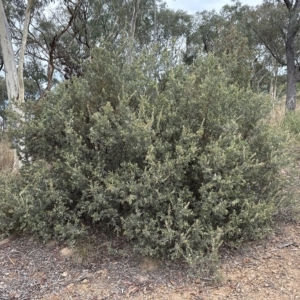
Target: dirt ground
x=268, y=269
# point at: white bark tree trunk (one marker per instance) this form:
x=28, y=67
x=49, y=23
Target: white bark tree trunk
x=155, y=21
x=132, y=29
x=11, y=74
x=22, y=51
x=13, y=77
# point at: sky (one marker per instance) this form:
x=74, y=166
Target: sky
x=193, y=6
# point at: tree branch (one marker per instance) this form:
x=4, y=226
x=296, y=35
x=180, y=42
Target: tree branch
x=53, y=47
x=288, y=4
x=279, y=60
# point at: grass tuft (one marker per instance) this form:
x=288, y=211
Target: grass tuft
x=6, y=156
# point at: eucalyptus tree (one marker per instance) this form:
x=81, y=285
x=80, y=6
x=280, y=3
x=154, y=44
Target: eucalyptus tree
x=172, y=24
x=230, y=31
x=211, y=26
x=207, y=28
x=222, y=34
x=277, y=25
x=13, y=75
x=62, y=35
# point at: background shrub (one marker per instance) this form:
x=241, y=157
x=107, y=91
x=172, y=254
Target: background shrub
x=291, y=123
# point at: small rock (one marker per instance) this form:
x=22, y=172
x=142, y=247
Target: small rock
x=64, y=274
x=66, y=252
x=4, y=242
x=85, y=281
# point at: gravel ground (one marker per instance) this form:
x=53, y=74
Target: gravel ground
x=29, y=269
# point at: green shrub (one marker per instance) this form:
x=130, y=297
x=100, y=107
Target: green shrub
x=176, y=158
x=291, y=123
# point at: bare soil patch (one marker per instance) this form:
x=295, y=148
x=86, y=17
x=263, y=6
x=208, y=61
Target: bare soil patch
x=29, y=269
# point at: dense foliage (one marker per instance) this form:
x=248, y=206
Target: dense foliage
x=177, y=159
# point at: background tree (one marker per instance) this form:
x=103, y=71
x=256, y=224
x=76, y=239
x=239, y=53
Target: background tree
x=13, y=76
x=277, y=25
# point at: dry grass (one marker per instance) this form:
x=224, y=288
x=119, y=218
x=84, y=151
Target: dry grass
x=6, y=156
x=277, y=113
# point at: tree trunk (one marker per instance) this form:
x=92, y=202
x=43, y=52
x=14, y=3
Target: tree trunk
x=292, y=75
x=13, y=77
x=10, y=68
x=291, y=89
x=275, y=80
x=11, y=74
x=292, y=68
x=132, y=29
x=22, y=51
x=155, y=21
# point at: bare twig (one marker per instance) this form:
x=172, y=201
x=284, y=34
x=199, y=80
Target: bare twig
x=11, y=260
x=286, y=244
